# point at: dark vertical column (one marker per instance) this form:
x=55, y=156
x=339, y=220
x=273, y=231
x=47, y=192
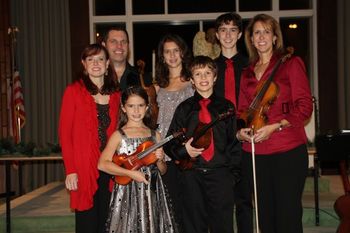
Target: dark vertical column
x=5, y=65
x=79, y=31
x=327, y=65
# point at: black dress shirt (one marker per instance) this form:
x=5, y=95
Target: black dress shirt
x=227, y=149
x=239, y=63
x=130, y=77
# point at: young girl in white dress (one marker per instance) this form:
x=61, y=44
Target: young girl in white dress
x=142, y=205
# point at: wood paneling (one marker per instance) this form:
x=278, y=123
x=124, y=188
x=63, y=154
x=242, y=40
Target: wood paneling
x=5, y=64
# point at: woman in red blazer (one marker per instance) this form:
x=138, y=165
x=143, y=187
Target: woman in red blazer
x=88, y=117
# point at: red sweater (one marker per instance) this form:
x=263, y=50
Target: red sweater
x=78, y=133
x=294, y=103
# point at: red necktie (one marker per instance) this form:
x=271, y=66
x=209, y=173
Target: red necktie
x=230, y=83
x=204, y=117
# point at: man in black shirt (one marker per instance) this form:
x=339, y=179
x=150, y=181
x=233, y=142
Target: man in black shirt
x=228, y=32
x=116, y=42
x=207, y=186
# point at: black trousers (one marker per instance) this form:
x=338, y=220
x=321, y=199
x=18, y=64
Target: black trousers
x=208, y=200
x=93, y=220
x=280, y=184
x=243, y=198
x=171, y=180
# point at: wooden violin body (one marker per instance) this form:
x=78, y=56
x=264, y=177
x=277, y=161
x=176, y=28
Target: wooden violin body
x=143, y=156
x=255, y=117
x=202, y=138
x=342, y=204
x=133, y=161
x=266, y=92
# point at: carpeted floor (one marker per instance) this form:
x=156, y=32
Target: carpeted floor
x=47, y=209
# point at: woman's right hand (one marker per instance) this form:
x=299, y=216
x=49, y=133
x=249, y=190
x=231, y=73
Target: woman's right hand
x=244, y=134
x=72, y=182
x=138, y=176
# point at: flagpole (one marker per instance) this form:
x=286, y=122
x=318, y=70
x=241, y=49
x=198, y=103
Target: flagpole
x=12, y=33
x=19, y=124
x=16, y=115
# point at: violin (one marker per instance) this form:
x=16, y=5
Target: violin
x=202, y=138
x=151, y=92
x=342, y=204
x=143, y=156
x=266, y=93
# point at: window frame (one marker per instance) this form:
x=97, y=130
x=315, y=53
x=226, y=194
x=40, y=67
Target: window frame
x=128, y=19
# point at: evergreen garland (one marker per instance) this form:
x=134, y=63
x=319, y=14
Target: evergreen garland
x=8, y=147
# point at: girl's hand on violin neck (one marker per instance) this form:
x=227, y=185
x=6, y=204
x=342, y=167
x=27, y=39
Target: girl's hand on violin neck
x=138, y=176
x=192, y=151
x=264, y=132
x=159, y=154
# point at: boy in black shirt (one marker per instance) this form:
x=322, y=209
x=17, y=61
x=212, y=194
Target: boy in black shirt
x=230, y=64
x=207, y=186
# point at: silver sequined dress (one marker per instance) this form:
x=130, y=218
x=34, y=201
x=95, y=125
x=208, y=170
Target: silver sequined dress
x=167, y=103
x=137, y=207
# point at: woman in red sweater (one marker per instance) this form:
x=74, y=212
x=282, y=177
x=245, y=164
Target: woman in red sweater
x=280, y=145
x=88, y=117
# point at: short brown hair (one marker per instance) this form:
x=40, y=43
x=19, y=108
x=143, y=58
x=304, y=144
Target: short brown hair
x=227, y=18
x=203, y=61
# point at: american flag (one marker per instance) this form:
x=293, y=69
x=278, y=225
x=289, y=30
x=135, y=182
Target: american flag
x=17, y=114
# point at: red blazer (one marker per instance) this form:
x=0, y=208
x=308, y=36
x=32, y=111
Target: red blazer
x=78, y=133
x=293, y=103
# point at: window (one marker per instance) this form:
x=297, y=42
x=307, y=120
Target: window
x=202, y=6
x=296, y=34
x=295, y=4
x=141, y=7
x=253, y=5
x=109, y=7
x=147, y=21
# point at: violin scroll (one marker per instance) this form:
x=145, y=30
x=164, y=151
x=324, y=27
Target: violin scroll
x=151, y=92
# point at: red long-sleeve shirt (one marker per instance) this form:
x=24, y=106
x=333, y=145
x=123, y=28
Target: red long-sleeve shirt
x=78, y=133
x=293, y=103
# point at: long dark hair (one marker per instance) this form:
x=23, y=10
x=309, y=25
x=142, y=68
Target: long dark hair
x=139, y=91
x=110, y=84
x=162, y=70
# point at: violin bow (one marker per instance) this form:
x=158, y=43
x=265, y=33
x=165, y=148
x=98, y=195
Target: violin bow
x=254, y=184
